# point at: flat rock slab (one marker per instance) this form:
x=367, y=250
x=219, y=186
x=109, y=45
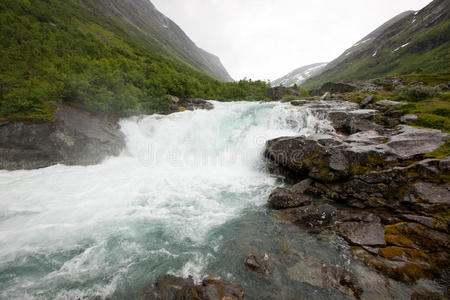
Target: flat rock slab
x=411, y=141
x=362, y=233
x=389, y=103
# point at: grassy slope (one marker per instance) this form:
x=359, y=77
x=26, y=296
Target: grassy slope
x=414, y=57
x=58, y=50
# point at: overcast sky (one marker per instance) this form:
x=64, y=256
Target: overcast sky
x=266, y=39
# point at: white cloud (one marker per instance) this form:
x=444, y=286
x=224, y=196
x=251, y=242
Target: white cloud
x=266, y=39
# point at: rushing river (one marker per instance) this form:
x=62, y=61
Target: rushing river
x=187, y=196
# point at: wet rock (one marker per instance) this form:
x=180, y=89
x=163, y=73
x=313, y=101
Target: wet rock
x=214, y=289
x=256, y=264
x=408, y=119
x=333, y=88
x=169, y=287
x=315, y=216
x=319, y=157
x=75, y=138
x=366, y=101
x=283, y=198
x=322, y=274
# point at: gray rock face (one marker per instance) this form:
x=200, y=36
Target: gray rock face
x=410, y=141
x=74, y=139
x=283, y=198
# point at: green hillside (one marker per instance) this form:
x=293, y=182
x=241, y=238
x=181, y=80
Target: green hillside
x=55, y=50
x=415, y=43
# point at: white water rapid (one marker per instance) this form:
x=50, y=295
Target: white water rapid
x=70, y=232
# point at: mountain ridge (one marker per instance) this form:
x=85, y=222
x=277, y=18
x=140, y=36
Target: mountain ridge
x=300, y=75
x=156, y=28
x=410, y=42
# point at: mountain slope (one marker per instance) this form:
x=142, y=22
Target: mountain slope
x=160, y=33
x=410, y=42
x=300, y=75
x=63, y=51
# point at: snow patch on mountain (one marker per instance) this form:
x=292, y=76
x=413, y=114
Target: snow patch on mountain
x=300, y=75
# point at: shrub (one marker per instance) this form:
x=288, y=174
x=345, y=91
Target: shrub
x=416, y=93
x=442, y=111
x=433, y=121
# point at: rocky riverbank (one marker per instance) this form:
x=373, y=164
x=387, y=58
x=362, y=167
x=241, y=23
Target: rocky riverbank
x=385, y=197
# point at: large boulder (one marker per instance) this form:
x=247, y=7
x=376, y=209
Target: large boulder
x=75, y=138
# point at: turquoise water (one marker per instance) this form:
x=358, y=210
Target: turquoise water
x=104, y=231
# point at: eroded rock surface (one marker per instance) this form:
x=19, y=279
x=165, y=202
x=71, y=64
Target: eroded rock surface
x=75, y=138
